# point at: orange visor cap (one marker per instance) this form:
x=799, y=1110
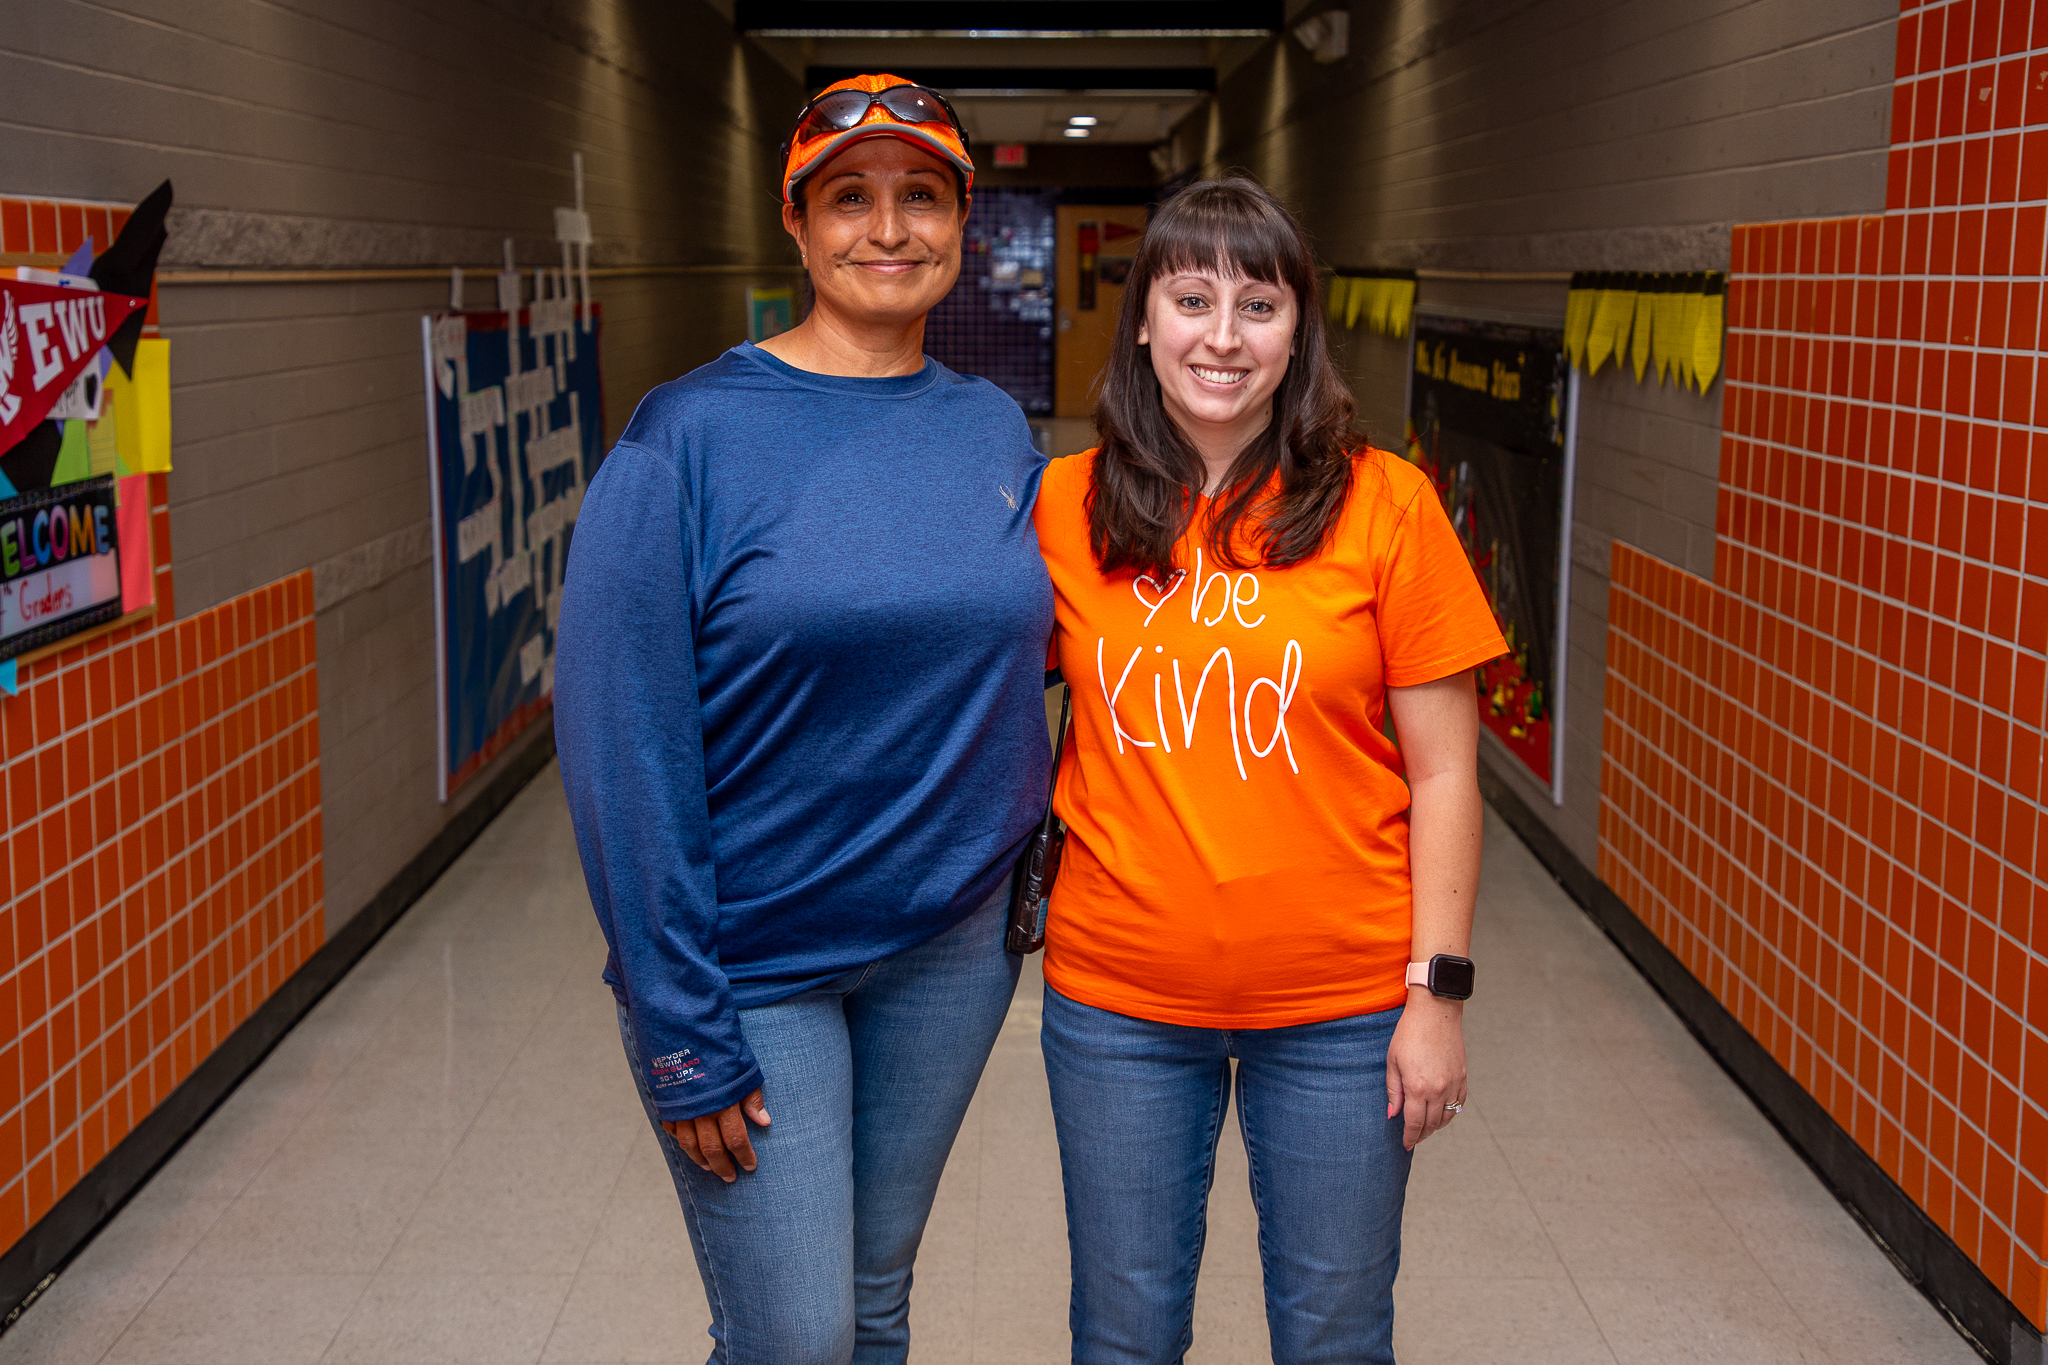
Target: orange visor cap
x=938, y=137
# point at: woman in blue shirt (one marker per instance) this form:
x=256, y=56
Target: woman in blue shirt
x=799, y=707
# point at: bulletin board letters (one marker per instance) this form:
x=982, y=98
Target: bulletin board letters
x=515, y=431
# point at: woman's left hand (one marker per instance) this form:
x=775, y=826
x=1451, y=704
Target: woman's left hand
x=1426, y=1065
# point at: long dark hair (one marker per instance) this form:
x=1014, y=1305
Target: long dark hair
x=1146, y=472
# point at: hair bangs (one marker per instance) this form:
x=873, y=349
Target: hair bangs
x=1225, y=234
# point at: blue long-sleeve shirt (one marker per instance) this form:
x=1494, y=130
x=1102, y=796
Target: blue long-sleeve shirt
x=798, y=689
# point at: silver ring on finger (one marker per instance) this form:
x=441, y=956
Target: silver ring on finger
x=1455, y=1108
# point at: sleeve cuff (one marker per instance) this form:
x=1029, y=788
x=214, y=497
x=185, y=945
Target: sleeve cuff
x=1447, y=665
x=698, y=1103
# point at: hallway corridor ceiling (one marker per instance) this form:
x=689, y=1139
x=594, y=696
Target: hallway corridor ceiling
x=1037, y=104
x=1010, y=18
x=1026, y=71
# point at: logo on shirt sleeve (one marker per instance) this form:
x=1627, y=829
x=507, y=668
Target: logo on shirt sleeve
x=674, y=1069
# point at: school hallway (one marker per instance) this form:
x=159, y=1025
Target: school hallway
x=445, y=1162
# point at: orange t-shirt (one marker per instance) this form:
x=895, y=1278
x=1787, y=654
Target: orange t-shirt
x=1237, y=854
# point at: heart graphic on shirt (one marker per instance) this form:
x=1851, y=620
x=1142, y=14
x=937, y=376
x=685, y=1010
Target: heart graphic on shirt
x=1165, y=591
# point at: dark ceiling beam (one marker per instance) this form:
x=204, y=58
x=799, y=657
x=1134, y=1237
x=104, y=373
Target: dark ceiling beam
x=1037, y=80
x=1054, y=17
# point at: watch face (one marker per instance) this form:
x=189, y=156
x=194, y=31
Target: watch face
x=1450, y=977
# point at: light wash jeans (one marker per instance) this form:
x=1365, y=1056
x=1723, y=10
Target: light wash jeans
x=1139, y=1107
x=806, y=1260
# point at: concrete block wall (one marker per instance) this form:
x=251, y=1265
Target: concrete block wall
x=1561, y=134
x=377, y=137
x=379, y=133
x=1511, y=138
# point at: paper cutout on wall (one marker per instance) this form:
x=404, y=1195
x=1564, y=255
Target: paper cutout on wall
x=82, y=399
x=572, y=230
x=29, y=465
x=103, y=445
x=1669, y=309
x=152, y=410
x=1385, y=299
x=1706, y=336
x=48, y=335
x=1614, y=311
x=138, y=558
x=1669, y=322
x=129, y=265
x=1645, y=325
x=1578, y=324
x=74, y=460
x=1688, y=323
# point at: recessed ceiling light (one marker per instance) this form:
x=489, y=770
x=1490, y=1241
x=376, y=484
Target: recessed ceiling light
x=1075, y=132
x=1082, y=121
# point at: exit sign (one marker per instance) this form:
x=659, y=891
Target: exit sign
x=1011, y=154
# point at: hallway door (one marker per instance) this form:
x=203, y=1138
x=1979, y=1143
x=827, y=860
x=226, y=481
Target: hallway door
x=1096, y=243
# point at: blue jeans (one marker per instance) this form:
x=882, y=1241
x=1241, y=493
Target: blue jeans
x=806, y=1260
x=1139, y=1107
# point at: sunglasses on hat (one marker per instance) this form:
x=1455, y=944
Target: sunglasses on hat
x=837, y=111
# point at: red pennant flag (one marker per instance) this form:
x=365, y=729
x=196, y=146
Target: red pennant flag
x=48, y=335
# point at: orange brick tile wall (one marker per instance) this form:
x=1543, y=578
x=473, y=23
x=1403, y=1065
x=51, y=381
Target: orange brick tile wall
x=1822, y=774
x=45, y=232
x=160, y=872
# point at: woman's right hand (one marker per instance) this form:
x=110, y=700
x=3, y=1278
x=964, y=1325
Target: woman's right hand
x=716, y=1141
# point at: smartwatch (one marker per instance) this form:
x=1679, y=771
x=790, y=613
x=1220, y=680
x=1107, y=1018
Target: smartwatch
x=1447, y=975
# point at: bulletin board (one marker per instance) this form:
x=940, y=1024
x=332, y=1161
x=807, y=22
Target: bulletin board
x=515, y=426
x=770, y=313
x=1491, y=417
x=84, y=417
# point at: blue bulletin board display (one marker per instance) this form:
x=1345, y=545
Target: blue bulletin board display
x=515, y=424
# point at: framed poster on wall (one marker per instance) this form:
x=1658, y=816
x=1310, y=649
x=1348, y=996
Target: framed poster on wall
x=770, y=313
x=1491, y=417
x=515, y=430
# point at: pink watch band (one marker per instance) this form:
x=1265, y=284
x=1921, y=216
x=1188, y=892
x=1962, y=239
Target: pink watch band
x=1418, y=974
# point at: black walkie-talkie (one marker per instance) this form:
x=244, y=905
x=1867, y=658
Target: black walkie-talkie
x=1039, y=866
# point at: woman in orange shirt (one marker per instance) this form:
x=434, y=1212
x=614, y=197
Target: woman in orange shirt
x=1254, y=872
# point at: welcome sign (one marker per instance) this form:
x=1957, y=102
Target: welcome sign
x=60, y=567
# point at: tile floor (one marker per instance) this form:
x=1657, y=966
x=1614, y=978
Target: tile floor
x=445, y=1162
